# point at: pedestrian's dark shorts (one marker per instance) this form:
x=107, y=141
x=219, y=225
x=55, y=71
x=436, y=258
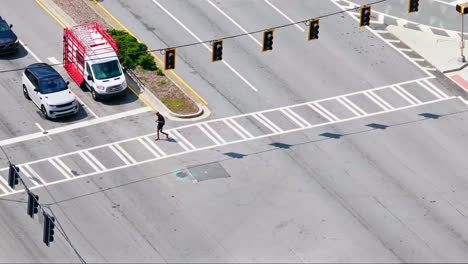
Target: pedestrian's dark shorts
x=160, y=126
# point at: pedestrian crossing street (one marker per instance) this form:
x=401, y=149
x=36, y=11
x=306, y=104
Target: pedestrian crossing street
x=221, y=132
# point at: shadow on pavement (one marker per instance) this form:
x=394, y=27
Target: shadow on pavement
x=20, y=53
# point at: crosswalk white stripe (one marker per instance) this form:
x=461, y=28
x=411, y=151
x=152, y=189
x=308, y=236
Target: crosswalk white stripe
x=435, y=88
x=218, y=136
x=404, y=91
x=316, y=109
x=378, y=100
x=292, y=118
x=407, y=50
x=8, y=188
x=208, y=134
x=24, y=171
x=3, y=188
x=155, y=146
x=82, y=155
x=264, y=123
x=52, y=161
x=67, y=169
x=35, y=174
x=289, y=110
x=119, y=155
x=240, y=128
x=234, y=129
x=95, y=160
x=148, y=147
x=179, y=138
x=345, y=104
x=125, y=153
x=393, y=40
x=326, y=111
x=403, y=96
x=430, y=90
x=354, y=105
x=271, y=123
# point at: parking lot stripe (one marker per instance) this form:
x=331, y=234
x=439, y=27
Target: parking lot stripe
x=52, y=161
x=236, y=130
x=34, y=174
x=148, y=147
x=119, y=155
x=208, y=134
x=155, y=146
x=214, y=133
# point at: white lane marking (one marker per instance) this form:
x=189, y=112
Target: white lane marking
x=234, y=22
x=452, y=3
x=95, y=160
x=289, y=110
x=354, y=105
x=52, y=161
x=215, y=133
x=407, y=50
x=430, y=69
x=26, y=173
x=430, y=90
x=3, y=188
x=385, y=40
x=271, y=123
x=206, y=46
x=125, y=153
x=345, y=104
x=380, y=19
x=34, y=174
x=284, y=15
x=295, y=120
x=380, y=31
x=67, y=169
x=8, y=188
x=425, y=28
x=265, y=123
x=208, y=134
x=53, y=60
x=316, y=109
x=435, y=88
x=234, y=129
x=393, y=40
x=229, y=143
x=402, y=22
x=86, y=106
x=155, y=146
x=462, y=100
x=75, y=126
x=182, y=141
x=318, y=105
x=43, y=130
x=148, y=147
x=119, y=155
x=404, y=91
x=403, y=96
x=240, y=127
x=376, y=101
x=82, y=155
x=417, y=59
x=29, y=51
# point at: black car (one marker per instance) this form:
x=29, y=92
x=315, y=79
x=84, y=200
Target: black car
x=8, y=39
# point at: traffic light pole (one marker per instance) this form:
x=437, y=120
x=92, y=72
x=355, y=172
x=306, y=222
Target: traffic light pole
x=462, y=46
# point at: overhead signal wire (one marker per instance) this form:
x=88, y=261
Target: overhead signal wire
x=209, y=41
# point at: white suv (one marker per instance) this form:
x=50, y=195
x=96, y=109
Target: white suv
x=46, y=88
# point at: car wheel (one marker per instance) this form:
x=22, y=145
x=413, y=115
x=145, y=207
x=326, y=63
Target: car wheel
x=94, y=95
x=44, y=112
x=25, y=93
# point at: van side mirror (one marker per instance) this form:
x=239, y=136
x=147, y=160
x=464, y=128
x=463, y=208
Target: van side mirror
x=11, y=25
x=36, y=90
x=125, y=70
x=90, y=78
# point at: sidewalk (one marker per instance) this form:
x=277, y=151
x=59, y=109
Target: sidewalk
x=442, y=52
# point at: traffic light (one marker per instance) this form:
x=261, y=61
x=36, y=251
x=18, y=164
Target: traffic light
x=413, y=6
x=33, y=204
x=48, y=235
x=314, y=29
x=13, y=176
x=217, y=50
x=365, y=16
x=169, y=62
x=462, y=9
x=268, y=40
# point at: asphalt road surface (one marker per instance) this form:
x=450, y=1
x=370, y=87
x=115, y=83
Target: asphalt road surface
x=335, y=150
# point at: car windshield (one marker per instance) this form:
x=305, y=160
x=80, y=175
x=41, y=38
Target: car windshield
x=52, y=85
x=107, y=70
x=4, y=26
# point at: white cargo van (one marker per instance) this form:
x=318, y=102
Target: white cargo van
x=89, y=56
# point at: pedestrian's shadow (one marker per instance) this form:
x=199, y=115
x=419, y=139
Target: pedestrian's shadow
x=172, y=140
